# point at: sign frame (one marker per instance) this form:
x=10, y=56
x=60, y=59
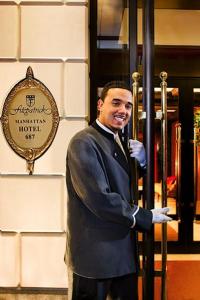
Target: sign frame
x=37, y=138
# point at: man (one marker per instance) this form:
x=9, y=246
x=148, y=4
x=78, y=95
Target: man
x=101, y=244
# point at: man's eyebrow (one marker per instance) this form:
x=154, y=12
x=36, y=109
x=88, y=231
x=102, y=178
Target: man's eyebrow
x=117, y=99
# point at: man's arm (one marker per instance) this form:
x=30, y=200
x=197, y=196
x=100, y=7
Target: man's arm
x=90, y=182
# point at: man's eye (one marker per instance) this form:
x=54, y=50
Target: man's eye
x=128, y=106
x=116, y=103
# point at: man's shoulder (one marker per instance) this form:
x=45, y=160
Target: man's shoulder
x=85, y=133
x=84, y=136
x=89, y=137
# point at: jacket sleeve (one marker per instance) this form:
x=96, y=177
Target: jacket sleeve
x=90, y=183
x=143, y=220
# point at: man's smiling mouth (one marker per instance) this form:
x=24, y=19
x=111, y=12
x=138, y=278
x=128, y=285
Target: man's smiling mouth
x=120, y=118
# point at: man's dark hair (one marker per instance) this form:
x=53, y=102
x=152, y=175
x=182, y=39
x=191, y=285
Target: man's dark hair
x=114, y=84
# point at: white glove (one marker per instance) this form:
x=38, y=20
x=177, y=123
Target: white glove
x=159, y=215
x=137, y=150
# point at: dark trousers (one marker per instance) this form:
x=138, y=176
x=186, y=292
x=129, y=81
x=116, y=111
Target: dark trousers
x=118, y=288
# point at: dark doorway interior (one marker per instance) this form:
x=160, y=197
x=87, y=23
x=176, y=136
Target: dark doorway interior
x=111, y=60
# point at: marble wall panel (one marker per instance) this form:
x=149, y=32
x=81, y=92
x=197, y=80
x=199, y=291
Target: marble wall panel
x=76, y=89
x=9, y=259
x=54, y=32
x=43, y=260
x=9, y=31
x=32, y=203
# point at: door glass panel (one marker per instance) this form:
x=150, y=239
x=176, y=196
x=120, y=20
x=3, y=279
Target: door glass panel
x=196, y=111
x=173, y=159
x=197, y=149
x=112, y=24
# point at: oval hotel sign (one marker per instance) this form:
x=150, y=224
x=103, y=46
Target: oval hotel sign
x=30, y=118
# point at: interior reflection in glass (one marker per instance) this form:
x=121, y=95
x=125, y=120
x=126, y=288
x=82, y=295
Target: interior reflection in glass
x=197, y=150
x=173, y=160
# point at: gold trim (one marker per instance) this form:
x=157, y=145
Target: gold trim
x=36, y=87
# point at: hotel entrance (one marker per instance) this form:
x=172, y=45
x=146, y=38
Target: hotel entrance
x=113, y=57
x=182, y=164
x=117, y=48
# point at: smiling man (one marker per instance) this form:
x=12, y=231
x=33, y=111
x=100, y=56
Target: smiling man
x=115, y=108
x=101, y=244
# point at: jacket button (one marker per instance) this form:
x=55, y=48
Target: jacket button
x=115, y=154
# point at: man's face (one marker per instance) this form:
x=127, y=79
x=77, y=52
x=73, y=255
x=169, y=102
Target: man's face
x=115, y=110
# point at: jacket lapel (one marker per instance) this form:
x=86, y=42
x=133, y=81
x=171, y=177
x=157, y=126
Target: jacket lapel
x=116, y=150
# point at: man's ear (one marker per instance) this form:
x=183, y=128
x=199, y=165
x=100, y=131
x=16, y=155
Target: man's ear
x=99, y=104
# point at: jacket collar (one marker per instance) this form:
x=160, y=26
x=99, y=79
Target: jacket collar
x=107, y=133
x=117, y=151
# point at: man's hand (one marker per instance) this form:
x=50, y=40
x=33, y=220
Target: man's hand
x=159, y=215
x=137, y=150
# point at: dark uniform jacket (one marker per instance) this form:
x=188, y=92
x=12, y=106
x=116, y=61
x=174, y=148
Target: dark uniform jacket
x=100, y=243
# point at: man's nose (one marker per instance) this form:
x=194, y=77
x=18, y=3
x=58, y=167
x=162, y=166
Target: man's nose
x=122, y=109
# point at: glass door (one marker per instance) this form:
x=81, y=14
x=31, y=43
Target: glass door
x=196, y=228
x=173, y=159
x=110, y=61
